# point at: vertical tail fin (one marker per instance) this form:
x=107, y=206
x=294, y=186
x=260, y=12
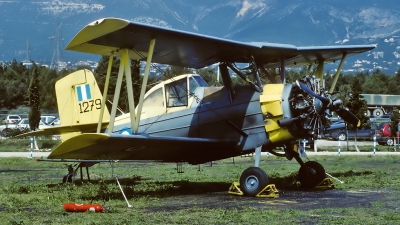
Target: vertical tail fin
x=79, y=101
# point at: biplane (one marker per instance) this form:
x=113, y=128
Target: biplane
x=183, y=119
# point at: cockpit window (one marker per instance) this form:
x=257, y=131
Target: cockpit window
x=154, y=99
x=196, y=81
x=176, y=93
x=200, y=81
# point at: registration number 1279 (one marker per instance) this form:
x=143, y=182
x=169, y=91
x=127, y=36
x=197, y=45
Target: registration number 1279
x=88, y=106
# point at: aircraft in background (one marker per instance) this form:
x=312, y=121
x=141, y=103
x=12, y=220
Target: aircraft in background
x=183, y=119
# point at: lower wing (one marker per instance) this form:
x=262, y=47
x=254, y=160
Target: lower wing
x=144, y=147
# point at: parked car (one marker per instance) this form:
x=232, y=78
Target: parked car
x=24, y=124
x=334, y=127
x=21, y=127
x=343, y=134
x=11, y=119
x=50, y=120
x=384, y=136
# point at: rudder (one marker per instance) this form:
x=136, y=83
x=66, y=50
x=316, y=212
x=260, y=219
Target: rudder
x=79, y=101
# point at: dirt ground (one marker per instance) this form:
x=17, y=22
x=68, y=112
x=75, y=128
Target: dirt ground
x=290, y=198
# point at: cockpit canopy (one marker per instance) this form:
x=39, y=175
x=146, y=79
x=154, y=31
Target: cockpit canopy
x=175, y=92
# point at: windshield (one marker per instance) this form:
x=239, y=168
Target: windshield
x=200, y=81
x=176, y=93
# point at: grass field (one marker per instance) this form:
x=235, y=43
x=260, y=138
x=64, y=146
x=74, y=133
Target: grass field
x=32, y=193
x=47, y=144
x=21, y=145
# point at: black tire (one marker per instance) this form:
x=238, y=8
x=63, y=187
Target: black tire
x=7, y=132
x=389, y=141
x=253, y=180
x=377, y=112
x=311, y=174
x=342, y=136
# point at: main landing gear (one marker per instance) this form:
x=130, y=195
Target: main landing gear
x=253, y=180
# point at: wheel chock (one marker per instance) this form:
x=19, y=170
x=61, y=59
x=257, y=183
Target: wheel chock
x=269, y=191
x=327, y=183
x=235, y=189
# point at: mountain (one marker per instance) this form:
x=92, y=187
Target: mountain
x=29, y=29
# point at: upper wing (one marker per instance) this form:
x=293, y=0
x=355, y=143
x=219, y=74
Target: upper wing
x=192, y=50
x=312, y=54
x=96, y=146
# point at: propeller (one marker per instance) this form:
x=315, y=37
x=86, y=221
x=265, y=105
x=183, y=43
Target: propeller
x=335, y=106
x=348, y=117
x=305, y=88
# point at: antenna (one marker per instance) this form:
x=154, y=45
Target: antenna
x=27, y=51
x=27, y=62
x=57, y=52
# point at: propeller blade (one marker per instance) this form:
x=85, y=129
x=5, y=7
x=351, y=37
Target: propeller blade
x=348, y=117
x=326, y=101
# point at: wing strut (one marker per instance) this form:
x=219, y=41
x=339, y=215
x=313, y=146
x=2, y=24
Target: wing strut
x=103, y=103
x=320, y=70
x=129, y=89
x=269, y=76
x=124, y=58
x=125, y=68
x=144, y=84
x=308, y=69
x=240, y=74
x=335, y=78
x=283, y=70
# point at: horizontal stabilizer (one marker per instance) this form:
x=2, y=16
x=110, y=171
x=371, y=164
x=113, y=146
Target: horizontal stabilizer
x=83, y=128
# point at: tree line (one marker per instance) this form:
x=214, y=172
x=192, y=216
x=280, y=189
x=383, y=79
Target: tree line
x=15, y=78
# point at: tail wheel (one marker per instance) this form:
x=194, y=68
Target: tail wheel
x=311, y=174
x=253, y=180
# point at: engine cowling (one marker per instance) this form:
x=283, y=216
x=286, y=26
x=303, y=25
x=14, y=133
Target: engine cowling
x=291, y=113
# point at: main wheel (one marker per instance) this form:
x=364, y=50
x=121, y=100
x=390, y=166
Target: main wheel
x=253, y=180
x=311, y=174
x=342, y=136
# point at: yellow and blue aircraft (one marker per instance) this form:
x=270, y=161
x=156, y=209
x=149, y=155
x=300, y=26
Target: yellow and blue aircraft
x=183, y=119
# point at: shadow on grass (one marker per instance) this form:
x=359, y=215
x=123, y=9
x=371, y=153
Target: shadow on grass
x=140, y=187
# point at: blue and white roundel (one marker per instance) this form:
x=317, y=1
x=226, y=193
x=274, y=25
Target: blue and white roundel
x=125, y=131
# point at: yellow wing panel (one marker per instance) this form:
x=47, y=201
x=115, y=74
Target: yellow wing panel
x=95, y=30
x=78, y=142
